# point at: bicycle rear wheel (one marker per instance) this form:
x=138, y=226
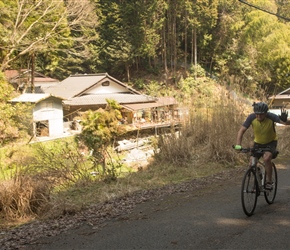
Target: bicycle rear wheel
x=249, y=192
x=271, y=194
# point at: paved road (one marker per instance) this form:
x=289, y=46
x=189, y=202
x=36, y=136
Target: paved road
x=212, y=219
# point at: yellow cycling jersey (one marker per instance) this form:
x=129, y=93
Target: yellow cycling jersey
x=264, y=131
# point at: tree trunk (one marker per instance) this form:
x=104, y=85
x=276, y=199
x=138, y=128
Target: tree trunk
x=174, y=42
x=128, y=72
x=32, y=72
x=195, y=54
x=185, y=41
x=165, y=55
x=192, y=47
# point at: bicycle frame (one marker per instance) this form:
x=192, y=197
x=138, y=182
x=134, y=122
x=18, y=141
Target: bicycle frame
x=257, y=165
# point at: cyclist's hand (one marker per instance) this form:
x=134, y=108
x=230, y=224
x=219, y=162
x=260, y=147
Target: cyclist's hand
x=284, y=115
x=237, y=147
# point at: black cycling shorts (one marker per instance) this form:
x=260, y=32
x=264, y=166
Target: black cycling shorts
x=272, y=146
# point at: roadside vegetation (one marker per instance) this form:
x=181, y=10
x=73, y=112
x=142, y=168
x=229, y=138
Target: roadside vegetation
x=49, y=179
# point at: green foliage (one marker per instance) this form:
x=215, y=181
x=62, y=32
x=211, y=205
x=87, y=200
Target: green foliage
x=128, y=31
x=99, y=128
x=63, y=162
x=153, y=88
x=30, y=174
x=255, y=48
x=197, y=71
x=233, y=40
x=274, y=50
x=192, y=88
x=38, y=23
x=139, y=84
x=15, y=119
x=58, y=34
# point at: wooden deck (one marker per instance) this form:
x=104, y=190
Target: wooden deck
x=151, y=125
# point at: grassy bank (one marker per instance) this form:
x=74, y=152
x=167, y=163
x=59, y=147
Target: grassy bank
x=50, y=179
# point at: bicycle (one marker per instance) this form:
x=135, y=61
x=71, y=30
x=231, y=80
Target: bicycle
x=255, y=179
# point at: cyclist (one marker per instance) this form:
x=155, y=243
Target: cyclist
x=263, y=124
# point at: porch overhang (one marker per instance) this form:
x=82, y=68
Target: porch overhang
x=140, y=106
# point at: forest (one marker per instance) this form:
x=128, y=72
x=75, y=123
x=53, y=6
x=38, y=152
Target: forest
x=240, y=43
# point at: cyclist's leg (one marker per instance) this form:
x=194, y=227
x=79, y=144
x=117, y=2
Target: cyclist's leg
x=267, y=157
x=271, y=194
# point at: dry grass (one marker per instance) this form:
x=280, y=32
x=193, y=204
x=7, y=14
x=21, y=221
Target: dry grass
x=283, y=139
x=207, y=135
x=23, y=197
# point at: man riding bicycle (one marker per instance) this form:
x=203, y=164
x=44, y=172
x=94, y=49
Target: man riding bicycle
x=265, y=136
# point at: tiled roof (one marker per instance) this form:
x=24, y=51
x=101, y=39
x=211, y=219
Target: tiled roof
x=166, y=100
x=45, y=80
x=160, y=102
x=138, y=106
x=76, y=85
x=11, y=73
x=15, y=75
x=32, y=98
x=284, y=91
x=101, y=99
x=280, y=97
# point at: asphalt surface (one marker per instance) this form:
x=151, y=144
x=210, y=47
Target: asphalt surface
x=210, y=219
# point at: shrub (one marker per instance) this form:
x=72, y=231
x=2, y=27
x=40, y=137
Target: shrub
x=62, y=162
x=23, y=196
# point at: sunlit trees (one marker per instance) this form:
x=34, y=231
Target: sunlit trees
x=251, y=49
x=128, y=33
x=45, y=28
x=15, y=119
x=201, y=18
x=226, y=37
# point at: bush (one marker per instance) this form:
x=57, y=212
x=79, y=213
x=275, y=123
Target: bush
x=23, y=197
x=32, y=173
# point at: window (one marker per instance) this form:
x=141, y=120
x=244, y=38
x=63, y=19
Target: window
x=47, y=105
x=106, y=83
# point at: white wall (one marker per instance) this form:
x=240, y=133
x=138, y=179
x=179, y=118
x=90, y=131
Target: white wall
x=112, y=88
x=50, y=109
x=278, y=111
x=275, y=111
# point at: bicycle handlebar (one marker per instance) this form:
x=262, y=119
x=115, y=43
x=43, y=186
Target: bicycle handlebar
x=258, y=152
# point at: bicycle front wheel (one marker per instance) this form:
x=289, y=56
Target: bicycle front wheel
x=249, y=192
x=271, y=194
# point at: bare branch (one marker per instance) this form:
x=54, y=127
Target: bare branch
x=36, y=25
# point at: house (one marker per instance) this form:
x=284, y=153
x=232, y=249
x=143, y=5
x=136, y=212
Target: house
x=90, y=91
x=21, y=81
x=281, y=100
x=47, y=113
